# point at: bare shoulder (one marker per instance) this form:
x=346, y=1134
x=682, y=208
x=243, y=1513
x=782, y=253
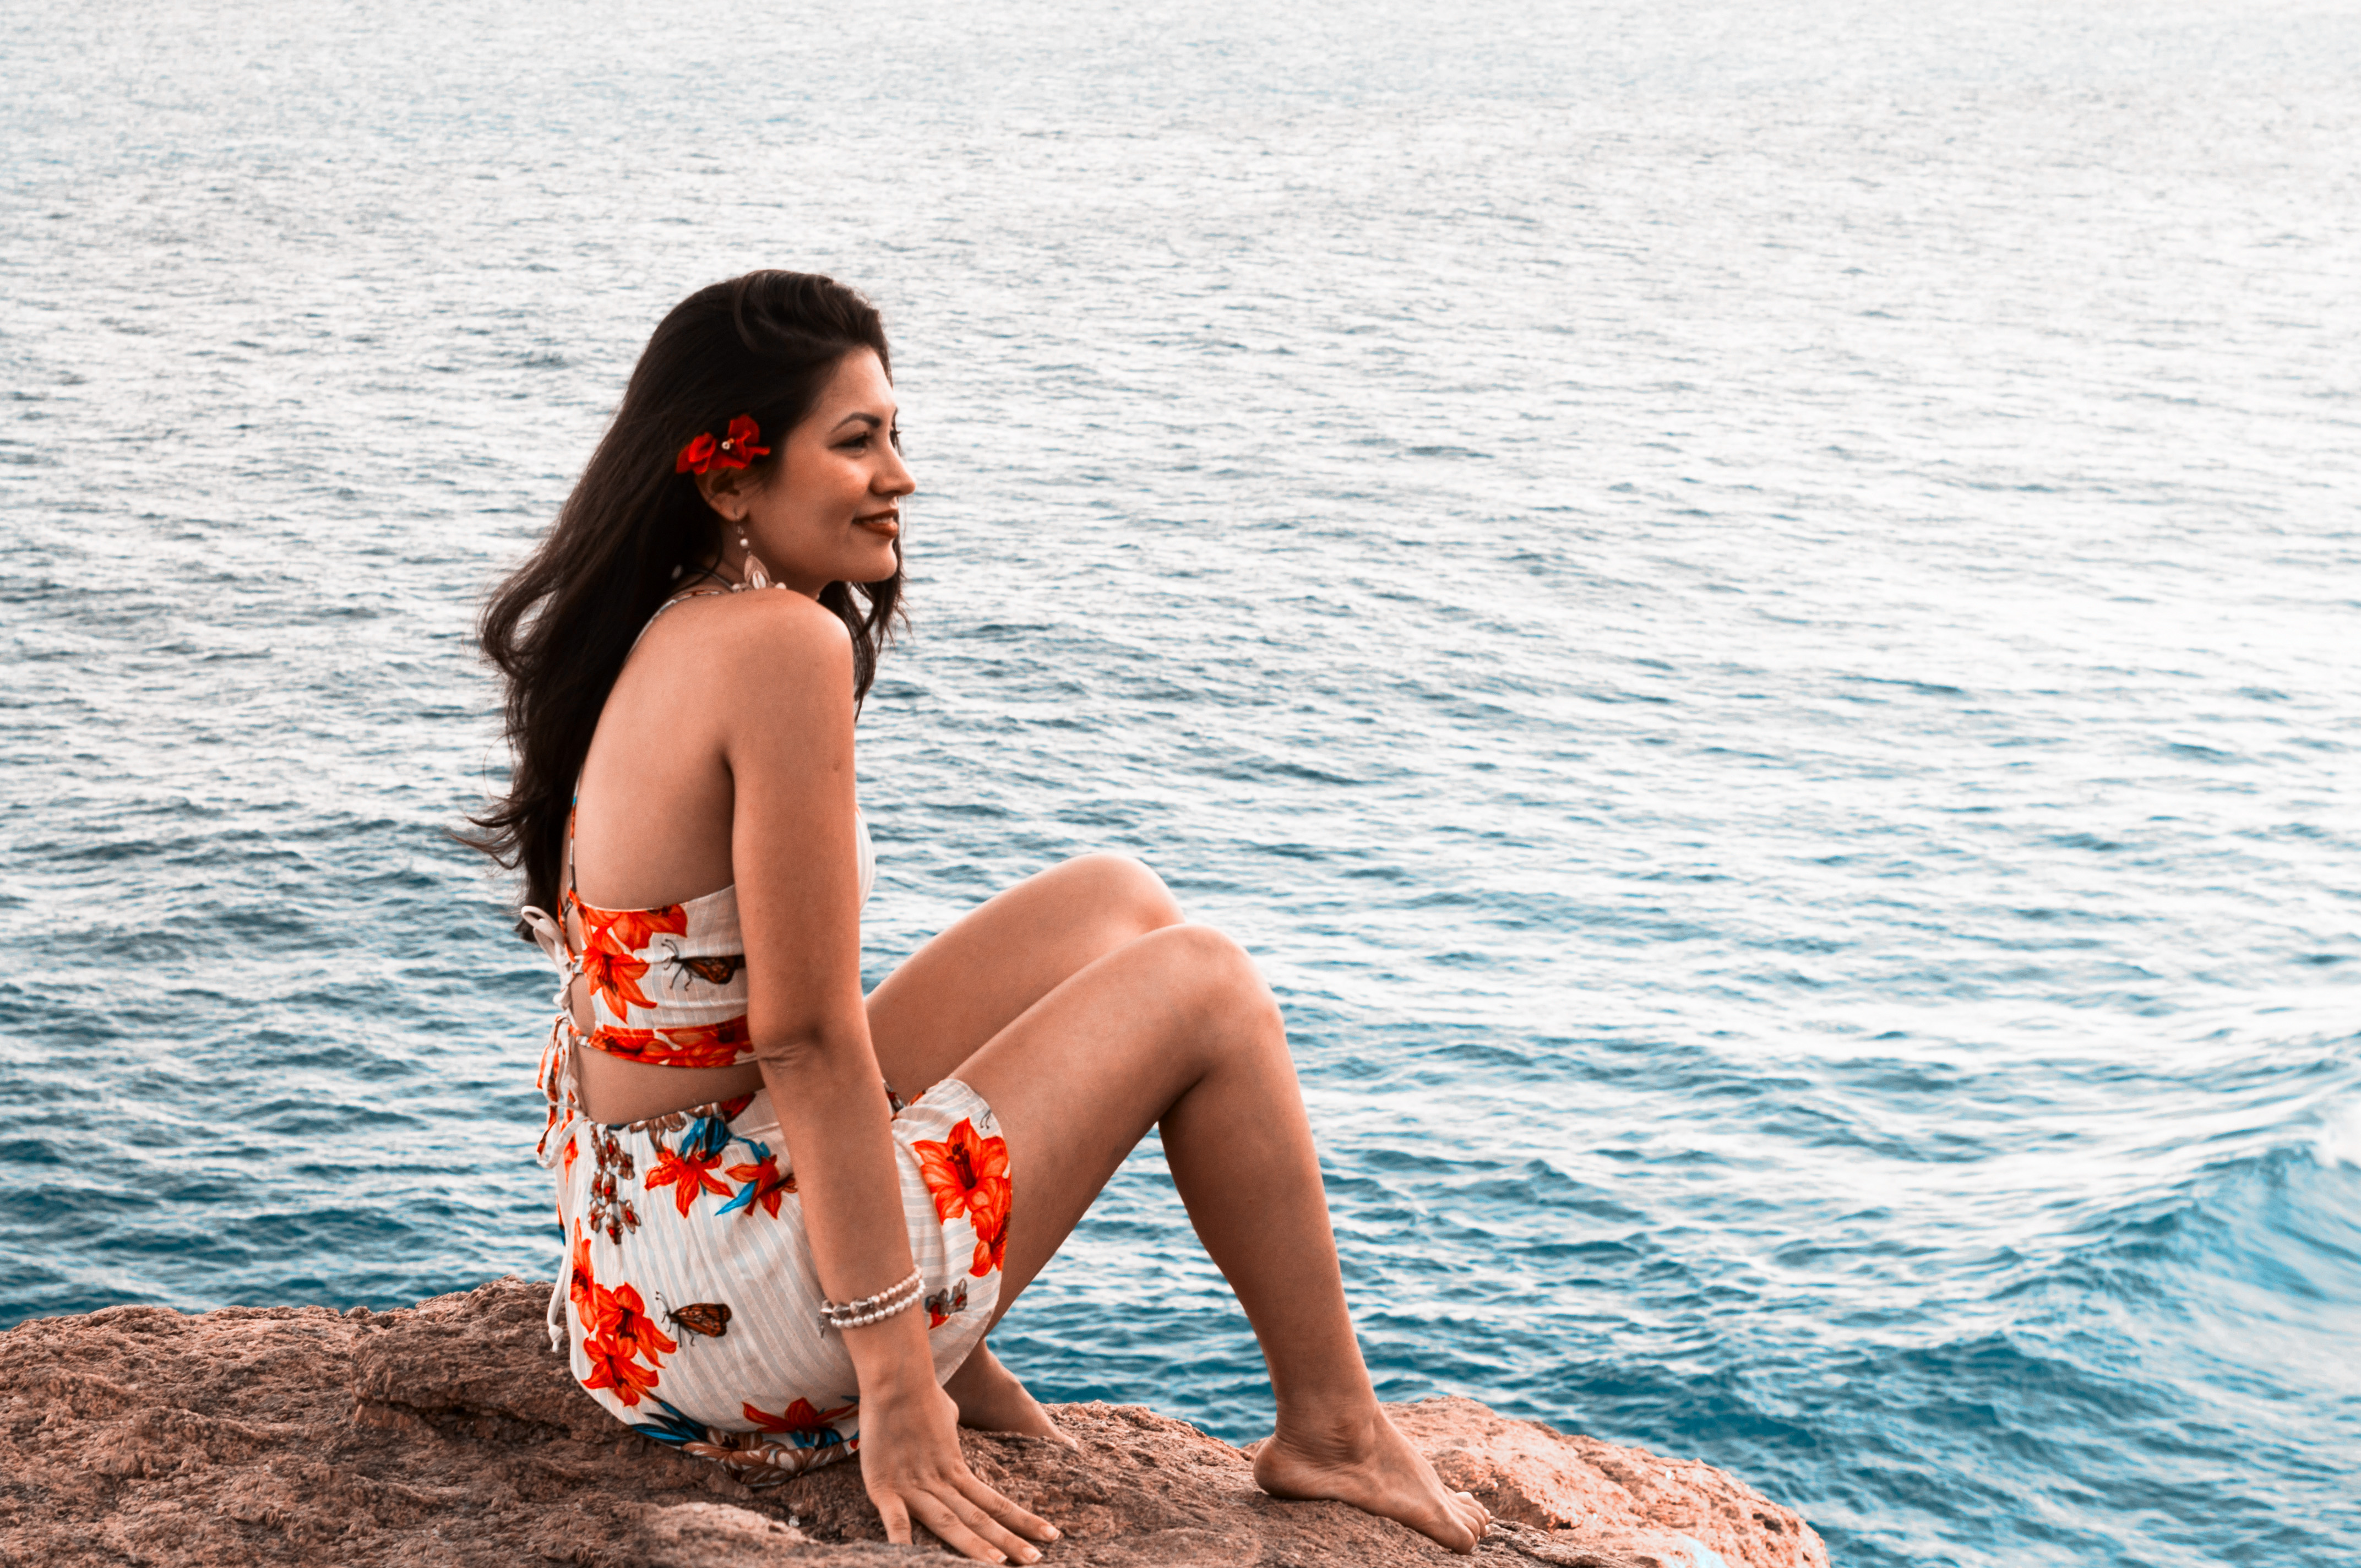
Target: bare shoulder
x=761, y=635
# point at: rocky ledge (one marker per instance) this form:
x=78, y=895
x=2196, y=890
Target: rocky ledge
x=447, y=1434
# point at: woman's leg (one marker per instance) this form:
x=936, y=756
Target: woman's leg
x=1176, y=1028
x=973, y=980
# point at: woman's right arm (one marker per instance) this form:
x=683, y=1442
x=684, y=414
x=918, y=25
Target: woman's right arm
x=786, y=668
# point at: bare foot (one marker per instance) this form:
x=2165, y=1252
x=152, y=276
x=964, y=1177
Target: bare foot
x=1365, y=1462
x=990, y=1399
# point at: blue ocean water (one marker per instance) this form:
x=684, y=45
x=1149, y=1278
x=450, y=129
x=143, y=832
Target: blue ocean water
x=1750, y=607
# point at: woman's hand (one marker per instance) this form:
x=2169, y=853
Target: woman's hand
x=910, y=1461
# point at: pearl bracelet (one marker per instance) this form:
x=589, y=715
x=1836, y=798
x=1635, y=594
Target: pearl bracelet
x=873, y=1309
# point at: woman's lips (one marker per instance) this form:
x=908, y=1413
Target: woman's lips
x=888, y=523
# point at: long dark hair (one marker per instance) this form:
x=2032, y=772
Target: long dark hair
x=560, y=627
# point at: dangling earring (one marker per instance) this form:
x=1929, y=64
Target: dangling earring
x=753, y=576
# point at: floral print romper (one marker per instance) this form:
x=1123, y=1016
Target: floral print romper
x=689, y=1301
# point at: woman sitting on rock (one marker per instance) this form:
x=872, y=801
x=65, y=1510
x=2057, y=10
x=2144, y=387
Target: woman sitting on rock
x=793, y=1213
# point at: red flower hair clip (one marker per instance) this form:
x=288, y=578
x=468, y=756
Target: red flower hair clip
x=734, y=450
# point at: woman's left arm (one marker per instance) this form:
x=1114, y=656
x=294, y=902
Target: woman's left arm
x=796, y=864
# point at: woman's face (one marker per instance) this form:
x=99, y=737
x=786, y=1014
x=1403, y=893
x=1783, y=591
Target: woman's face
x=832, y=509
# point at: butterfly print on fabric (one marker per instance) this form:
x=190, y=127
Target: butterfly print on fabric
x=718, y=971
x=711, y=1319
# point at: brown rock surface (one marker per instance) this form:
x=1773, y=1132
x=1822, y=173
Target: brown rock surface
x=447, y=1434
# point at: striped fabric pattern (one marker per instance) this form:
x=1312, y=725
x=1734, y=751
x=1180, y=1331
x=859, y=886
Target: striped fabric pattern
x=698, y=1322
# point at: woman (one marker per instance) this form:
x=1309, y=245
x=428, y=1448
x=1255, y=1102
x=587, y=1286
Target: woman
x=683, y=800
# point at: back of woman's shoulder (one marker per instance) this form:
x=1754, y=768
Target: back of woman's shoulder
x=765, y=630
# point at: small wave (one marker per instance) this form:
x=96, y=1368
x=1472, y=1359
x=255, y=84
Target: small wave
x=2339, y=1140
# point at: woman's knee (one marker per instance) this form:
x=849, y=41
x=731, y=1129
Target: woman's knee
x=1219, y=982
x=1124, y=890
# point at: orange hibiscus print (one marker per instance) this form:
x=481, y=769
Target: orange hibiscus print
x=991, y=1241
x=612, y=1365
x=968, y=1176
x=704, y=1045
x=627, y=931
x=686, y=1175
x=800, y=1417
x=616, y=977
x=617, y=1332
x=626, y=1321
x=611, y=940
x=764, y=1185
x=581, y=1290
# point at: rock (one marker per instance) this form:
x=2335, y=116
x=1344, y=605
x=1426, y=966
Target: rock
x=447, y=1434
x=1618, y=1504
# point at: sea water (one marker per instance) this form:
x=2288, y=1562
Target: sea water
x=1750, y=607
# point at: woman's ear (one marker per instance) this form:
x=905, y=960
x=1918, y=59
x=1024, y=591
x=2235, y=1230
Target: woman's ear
x=725, y=490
